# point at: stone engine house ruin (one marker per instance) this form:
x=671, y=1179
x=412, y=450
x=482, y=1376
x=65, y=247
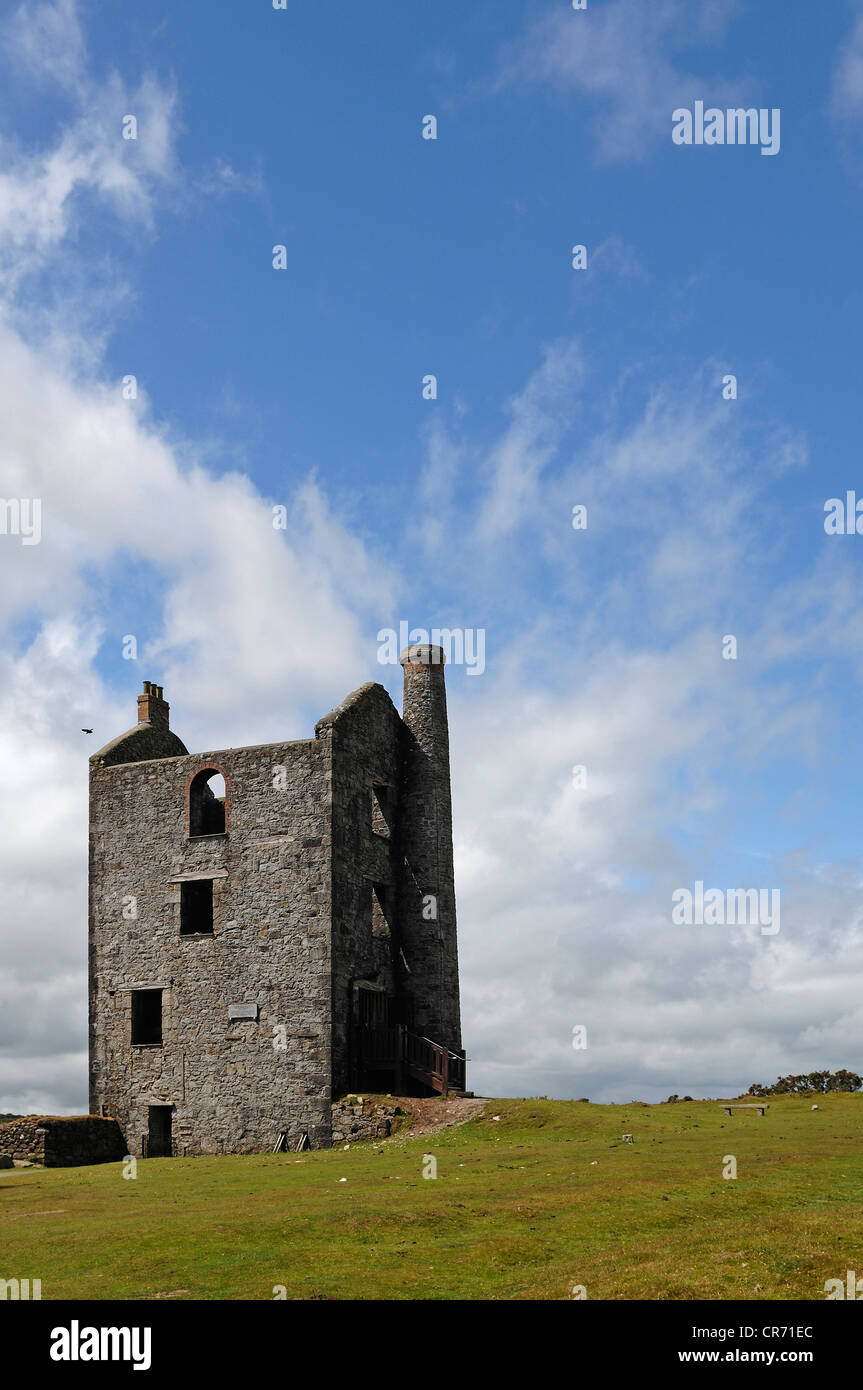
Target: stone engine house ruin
x=259, y=950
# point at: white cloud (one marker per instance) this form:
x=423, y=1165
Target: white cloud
x=112, y=486
x=46, y=41
x=620, y=57
x=614, y=256
x=40, y=189
x=847, y=83
x=540, y=415
x=222, y=179
x=565, y=895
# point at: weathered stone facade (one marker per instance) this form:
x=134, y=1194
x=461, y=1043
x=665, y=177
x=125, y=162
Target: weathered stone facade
x=239, y=948
x=63, y=1141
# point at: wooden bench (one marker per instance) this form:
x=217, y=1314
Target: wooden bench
x=760, y=1108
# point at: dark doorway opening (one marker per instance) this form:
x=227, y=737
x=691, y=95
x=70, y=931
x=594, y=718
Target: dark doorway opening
x=159, y=1122
x=374, y=1040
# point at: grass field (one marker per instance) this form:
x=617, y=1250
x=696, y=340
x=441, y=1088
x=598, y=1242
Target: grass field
x=524, y=1207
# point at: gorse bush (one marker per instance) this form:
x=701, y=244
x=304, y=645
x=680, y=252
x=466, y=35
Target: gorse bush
x=816, y=1081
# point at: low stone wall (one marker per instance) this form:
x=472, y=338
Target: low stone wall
x=355, y=1120
x=63, y=1141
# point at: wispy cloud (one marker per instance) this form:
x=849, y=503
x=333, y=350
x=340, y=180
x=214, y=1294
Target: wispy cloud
x=846, y=97
x=622, y=59
x=41, y=189
x=540, y=415
x=614, y=256
x=222, y=180
x=46, y=41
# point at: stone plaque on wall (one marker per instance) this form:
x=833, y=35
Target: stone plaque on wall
x=242, y=1011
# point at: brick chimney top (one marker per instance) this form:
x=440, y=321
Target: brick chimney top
x=151, y=706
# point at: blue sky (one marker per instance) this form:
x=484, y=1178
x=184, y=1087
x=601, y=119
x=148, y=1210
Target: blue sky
x=302, y=387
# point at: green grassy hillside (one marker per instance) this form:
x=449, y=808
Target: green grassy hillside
x=527, y=1206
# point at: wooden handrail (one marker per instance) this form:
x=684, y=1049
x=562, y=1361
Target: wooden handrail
x=436, y=1066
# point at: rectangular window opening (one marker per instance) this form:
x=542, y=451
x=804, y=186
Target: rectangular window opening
x=381, y=909
x=147, y=1017
x=196, y=907
x=381, y=809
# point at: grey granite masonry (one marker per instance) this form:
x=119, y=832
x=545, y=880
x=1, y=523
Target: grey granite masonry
x=258, y=953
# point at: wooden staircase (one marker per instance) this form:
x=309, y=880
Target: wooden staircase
x=408, y=1055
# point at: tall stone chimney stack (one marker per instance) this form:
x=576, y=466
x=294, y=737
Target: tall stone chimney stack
x=427, y=920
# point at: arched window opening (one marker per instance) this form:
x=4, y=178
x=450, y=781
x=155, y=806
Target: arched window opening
x=207, y=803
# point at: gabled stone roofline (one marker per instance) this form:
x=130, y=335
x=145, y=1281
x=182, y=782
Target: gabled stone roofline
x=151, y=740
x=350, y=702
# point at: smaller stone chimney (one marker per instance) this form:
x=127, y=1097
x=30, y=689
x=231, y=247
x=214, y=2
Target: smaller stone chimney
x=152, y=709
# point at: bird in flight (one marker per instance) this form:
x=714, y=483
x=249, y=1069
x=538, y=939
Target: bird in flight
x=86, y=731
